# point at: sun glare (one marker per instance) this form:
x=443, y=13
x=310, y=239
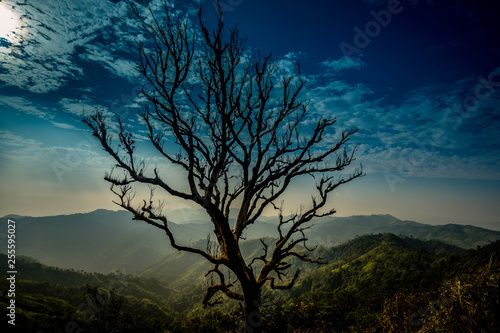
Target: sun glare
x=9, y=22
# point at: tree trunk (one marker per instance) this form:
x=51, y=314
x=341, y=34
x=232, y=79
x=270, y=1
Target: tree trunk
x=252, y=315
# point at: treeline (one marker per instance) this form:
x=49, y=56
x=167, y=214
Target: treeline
x=387, y=285
x=375, y=283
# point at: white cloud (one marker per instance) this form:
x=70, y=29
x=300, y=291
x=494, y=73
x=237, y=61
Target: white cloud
x=343, y=63
x=23, y=105
x=85, y=107
x=116, y=65
x=10, y=139
x=63, y=125
x=417, y=129
x=17, y=150
x=78, y=107
x=55, y=36
x=288, y=64
x=426, y=162
x=41, y=58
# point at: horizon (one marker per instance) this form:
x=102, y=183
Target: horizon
x=423, y=89
x=491, y=225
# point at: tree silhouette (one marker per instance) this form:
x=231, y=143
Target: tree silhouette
x=237, y=122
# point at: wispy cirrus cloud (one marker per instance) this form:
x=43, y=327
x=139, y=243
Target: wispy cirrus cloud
x=33, y=153
x=80, y=107
x=22, y=105
x=343, y=63
x=114, y=63
x=84, y=107
x=42, y=57
x=427, y=128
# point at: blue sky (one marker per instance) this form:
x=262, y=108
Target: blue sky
x=420, y=79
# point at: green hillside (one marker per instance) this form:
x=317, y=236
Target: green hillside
x=374, y=283
x=104, y=241
x=385, y=283
x=336, y=230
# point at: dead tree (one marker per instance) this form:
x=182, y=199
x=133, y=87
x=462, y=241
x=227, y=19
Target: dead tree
x=237, y=123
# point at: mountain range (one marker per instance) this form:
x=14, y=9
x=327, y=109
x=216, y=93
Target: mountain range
x=372, y=283
x=104, y=241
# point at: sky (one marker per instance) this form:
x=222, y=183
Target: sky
x=419, y=79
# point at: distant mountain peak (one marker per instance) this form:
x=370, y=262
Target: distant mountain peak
x=104, y=211
x=13, y=216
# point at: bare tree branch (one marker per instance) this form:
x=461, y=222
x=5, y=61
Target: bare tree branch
x=233, y=123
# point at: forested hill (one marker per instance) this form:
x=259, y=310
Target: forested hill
x=384, y=283
x=182, y=267
x=103, y=241
x=375, y=283
x=336, y=230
